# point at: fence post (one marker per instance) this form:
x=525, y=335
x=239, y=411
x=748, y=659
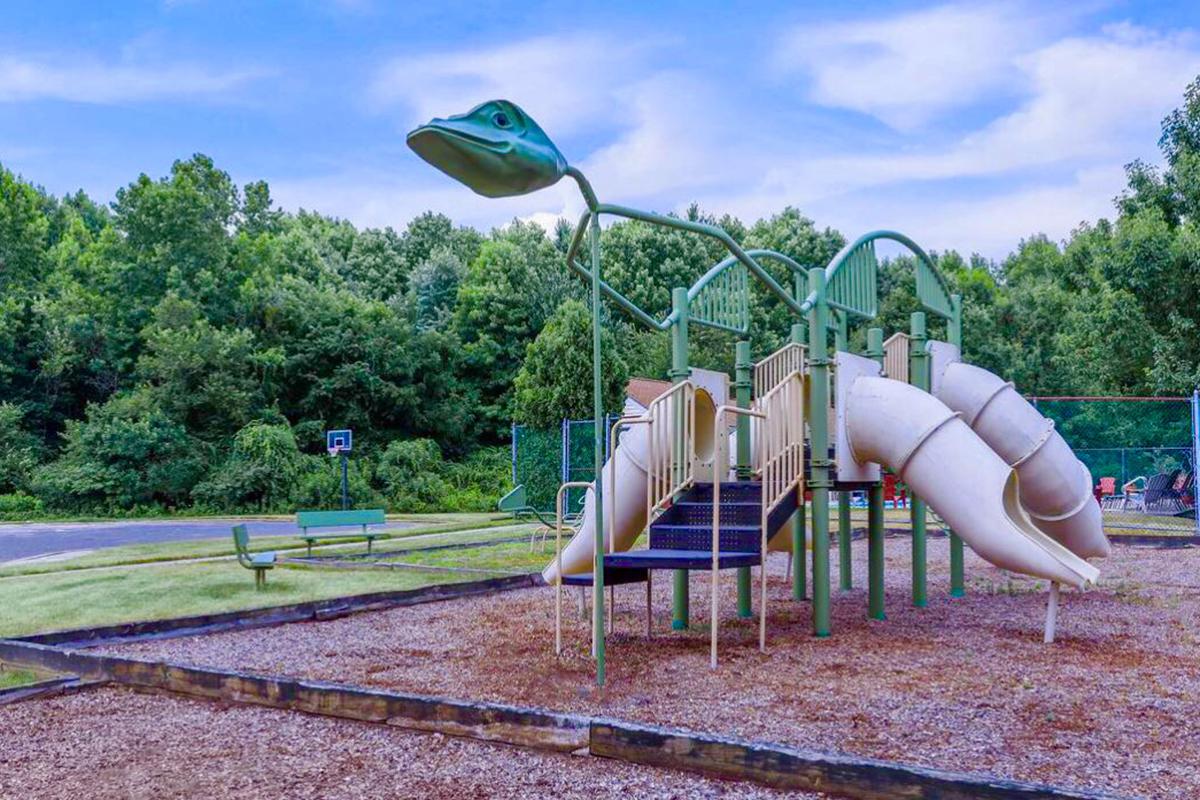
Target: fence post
x=1195, y=454
x=514, y=454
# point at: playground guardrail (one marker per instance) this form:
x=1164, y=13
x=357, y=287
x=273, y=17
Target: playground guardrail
x=778, y=367
x=670, y=466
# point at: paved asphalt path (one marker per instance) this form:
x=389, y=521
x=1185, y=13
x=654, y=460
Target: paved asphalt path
x=26, y=540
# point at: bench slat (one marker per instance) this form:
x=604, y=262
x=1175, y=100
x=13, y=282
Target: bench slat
x=334, y=519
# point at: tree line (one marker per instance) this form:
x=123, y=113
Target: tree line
x=186, y=345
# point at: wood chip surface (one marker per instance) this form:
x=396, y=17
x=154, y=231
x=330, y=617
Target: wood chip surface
x=965, y=684
x=112, y=743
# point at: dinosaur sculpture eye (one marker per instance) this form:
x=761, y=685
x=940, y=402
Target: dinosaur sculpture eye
x=502, y=120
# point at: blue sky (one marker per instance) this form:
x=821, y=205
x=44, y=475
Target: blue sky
x=965, y=125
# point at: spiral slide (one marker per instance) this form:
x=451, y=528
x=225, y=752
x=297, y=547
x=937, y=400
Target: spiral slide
x=973, y=489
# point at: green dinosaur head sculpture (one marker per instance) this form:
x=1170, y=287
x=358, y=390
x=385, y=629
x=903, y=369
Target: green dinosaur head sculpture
x=496, y=149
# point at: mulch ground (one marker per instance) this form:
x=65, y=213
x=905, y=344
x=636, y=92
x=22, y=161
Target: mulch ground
x=965, y=684
x=112, y=743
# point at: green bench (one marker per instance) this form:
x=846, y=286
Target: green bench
x=259, y=562
x=340, y=519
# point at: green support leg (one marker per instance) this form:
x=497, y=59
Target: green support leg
x=679, y=606
x=918, y=553
x=845, y=552
x=818, y=402
x=954, y=334
x=918, y=376
x=799, y=556
x=820, y=560
x=745, y=606
x=875, y=552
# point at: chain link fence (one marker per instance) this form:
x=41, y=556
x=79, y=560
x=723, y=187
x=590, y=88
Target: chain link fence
x=1142, y=453
x=545, y=458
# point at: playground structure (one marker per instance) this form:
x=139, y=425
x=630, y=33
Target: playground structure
x=989, y=464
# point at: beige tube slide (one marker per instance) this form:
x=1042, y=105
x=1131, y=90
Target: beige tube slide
x=625, y=500
x=936, y=453
x=1054, y=487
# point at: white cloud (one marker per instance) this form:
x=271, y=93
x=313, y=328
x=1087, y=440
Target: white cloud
x=554, y=78
x=907, y=68
x=92, y=81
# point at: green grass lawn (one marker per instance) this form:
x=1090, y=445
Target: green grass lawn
x=74, y=599
x=506, y=556
x=10, y=677
x=215, y=548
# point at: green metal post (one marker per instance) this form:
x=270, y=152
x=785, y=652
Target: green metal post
x=954, y=334
x=818, y=402
x=598, y=457
x=918, y=375
x=845, y=573
x=799, y=551
x=875, y=512
x=679, y=373
x=743, y=383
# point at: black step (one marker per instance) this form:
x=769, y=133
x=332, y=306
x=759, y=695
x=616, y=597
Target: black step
x=661, y=558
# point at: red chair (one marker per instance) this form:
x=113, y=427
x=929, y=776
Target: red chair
x=890, y=487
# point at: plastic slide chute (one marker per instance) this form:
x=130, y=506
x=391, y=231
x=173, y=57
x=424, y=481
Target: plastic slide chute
x=1054, y=486
x=947, y=464
x=625, y=499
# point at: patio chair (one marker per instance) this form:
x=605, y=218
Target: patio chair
x=1160, y=496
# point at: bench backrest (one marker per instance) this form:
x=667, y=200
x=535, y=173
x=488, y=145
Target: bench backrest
x=334, y=519
x=241, y=543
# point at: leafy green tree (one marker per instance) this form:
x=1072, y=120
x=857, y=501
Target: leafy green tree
x=261, y=472
x=508, y=293
x=555, y=382
x=126, y=453
x=434, y=288
x=410, y=473
x=209, y=378
x=20, y=450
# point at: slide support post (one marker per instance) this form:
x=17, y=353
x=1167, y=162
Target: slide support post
x=918, y=376
x=875, y=605
x=845, y=552
x=679, y=373
x=799, y=551
x=818, y=398
x=954, y=334
x=743, y=383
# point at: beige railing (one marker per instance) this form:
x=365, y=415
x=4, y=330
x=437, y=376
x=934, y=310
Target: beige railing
x=777, y=441
x=776, y=367
x=895, y=357
x=782, y=440
x=558, y=530
x=670, y=459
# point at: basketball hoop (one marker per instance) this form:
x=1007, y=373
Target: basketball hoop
x=333, y=451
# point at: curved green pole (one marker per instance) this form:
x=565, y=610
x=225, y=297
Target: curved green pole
x=845, y=554
x=818, y=402
x=954, y=335
x=875, y=511
x=918, y=376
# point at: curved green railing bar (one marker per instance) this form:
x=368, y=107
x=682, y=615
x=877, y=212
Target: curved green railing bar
x=851, y=277
x=737, y=255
